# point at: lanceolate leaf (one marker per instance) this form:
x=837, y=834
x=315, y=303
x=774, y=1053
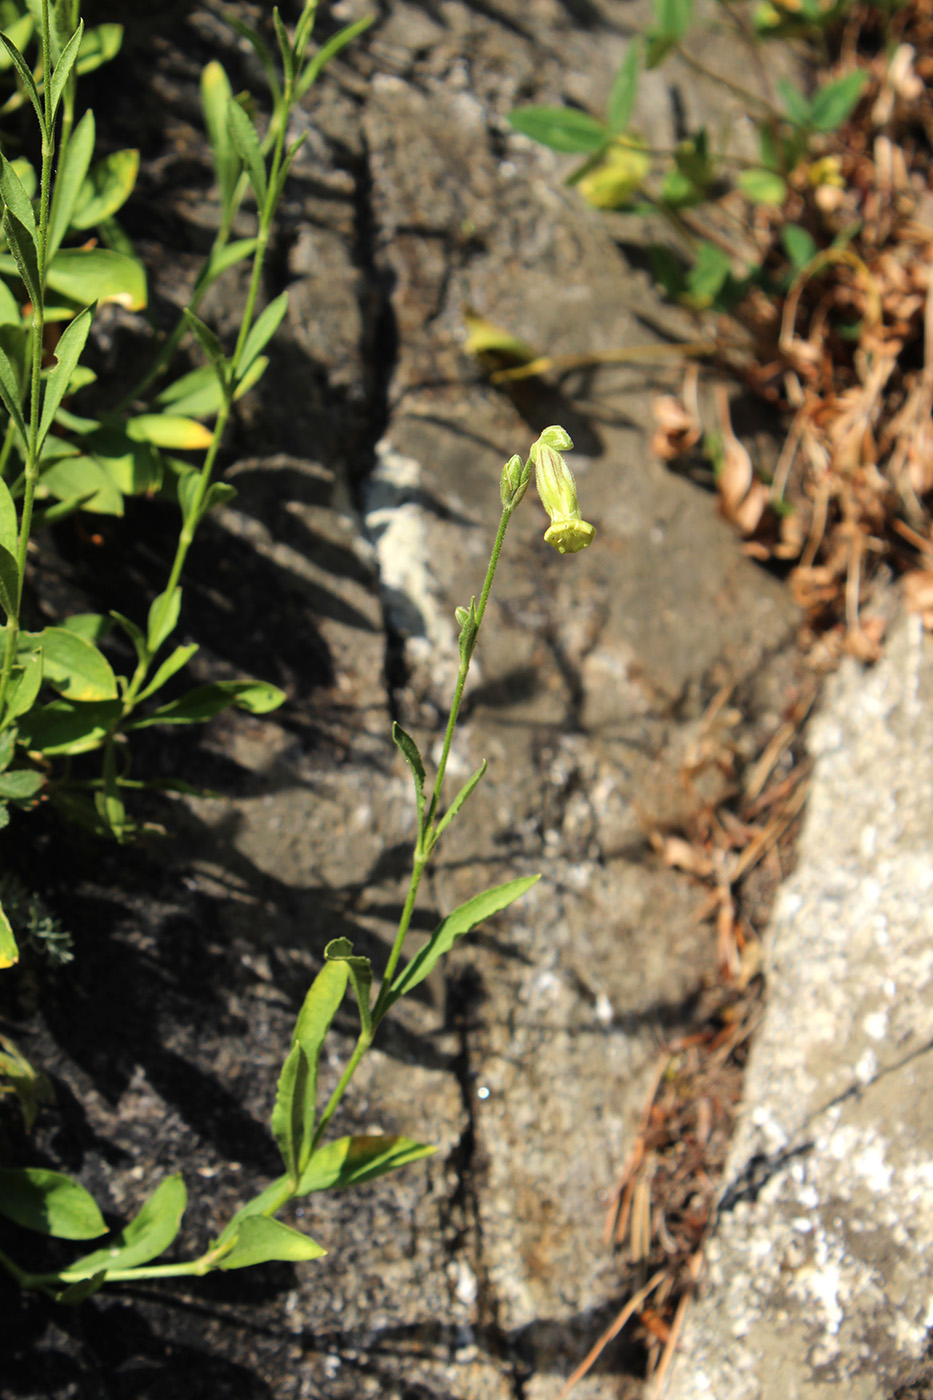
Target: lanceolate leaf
x=350, y=1161
x=561, y=128
x=67, y=354
x=261, y=1240
x=24, y=253
x=107, y=188
x=201, y=704
x=9, y=583
x=147, y=1235
x=69, y=180
x=216, y=94
x=265, y=327
x=460, y=798
x=294, y=1114
x=179, y=658
x=409, y=750
x=361, y=975
x=25, y=73
x=461, y=921
x=8, y=525
x=624, y=88
x=836, y=101
x=49, y=1203
x=330, y=50
x=63, y=67
x=10, y=392
x=16, y=198
x=243, y=135
x=163, y=618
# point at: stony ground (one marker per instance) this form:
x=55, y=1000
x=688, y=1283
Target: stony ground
x=367, y=469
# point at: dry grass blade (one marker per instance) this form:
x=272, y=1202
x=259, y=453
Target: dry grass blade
x=613, y=1330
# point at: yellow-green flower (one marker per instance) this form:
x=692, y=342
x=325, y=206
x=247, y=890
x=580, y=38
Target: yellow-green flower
x=568, y=532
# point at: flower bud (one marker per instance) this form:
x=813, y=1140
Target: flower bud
x=516, y=475
x=568, y=532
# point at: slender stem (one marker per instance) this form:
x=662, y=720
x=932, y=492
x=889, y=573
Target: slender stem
x=350, y=1068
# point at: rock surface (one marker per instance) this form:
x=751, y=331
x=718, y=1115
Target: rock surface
x=821, y=1259
x=367, y=467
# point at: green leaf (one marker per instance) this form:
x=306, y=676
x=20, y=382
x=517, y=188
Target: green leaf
x=170, y=431
x=762, y=186
x=708, y=275
x=85, y=1288
x=93, y=627
x=62, y=70
x=7, y=747
x=262, y=53
x=28, y=81
x=262, y=331
x=9, y=953
x=201, y=704
x=74, y=666
x=64, y=727
x=21, y=695
x=262, y=1240
x=409, y=750
x=20, y=784
x=136, y=636
x=624, y=89
x=163, y=618
x=328, y=51
x=243, y=135
x=351, y=1161
x=69, y=180
x=461, y=797
x=219, y=493
x=20, y=31
x=107, y=188
x=199, y=393
x=147, y=1235
x=216, y=95
x=15, y=198
x=795, y=103
x=49, y=1203
x=179, y=658
x=10, y=392
x=87, y=275
x=361, y=975
x=99, y=46
x=10, y=310
x=222, y=259
x=460, y=922
x=836, y=101
x=561, y=128
x=207, y=340
x=67, y=354
x=24, y=254
x=285, y=48
x=294, y=1113
x=81, y=479
x=799, y=245
x=671, y=22
x=9, y=583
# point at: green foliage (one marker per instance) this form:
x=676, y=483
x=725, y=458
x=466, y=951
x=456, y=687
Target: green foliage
x=619, y=172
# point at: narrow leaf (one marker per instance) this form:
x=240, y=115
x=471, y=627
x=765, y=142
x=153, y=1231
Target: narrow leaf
x=361, y=975
x=201, y=704
x=67, y=354
x=147, y=1235
x=351, y=1161
x=10, y=392
x=206, y=338
x=561, y=128
x=62, y=70
x=624, y=89
x=170, y=431
x=262, y=1240
x=461, y=797
x=409, y=750
x=293, y=1112
x=285, y=47
x=163, y=618
x=216, y=94
x=28, y=81
x=179, y=658
x=108, y=186
x=262, y=331
x=460, y=922
x=49, y=1203
x=244, y=138
x=69, y=180
x=836, y=101
x=297, y=1097
x=9, y=533
x=24, y=254
x=329, y=51
x=15, y=197
x=9, y=583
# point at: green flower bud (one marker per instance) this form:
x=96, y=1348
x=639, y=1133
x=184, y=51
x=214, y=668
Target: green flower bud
x=568, y=532
x=516, y=475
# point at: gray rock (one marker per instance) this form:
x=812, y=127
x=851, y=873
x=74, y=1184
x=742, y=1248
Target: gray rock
x=820, y=1263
